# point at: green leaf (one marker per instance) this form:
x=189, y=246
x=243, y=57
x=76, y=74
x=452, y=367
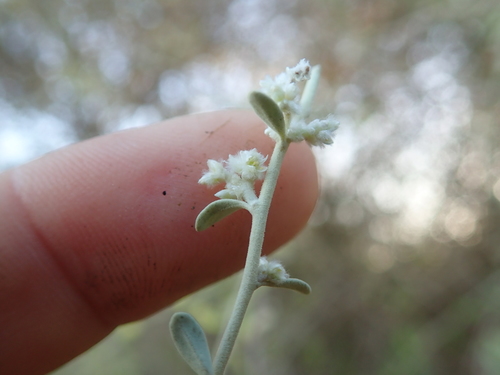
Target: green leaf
x=297, y=285
x=191, y=343
x=216, y=211
x=291, y=283
x=269, y=112
x=310, y=90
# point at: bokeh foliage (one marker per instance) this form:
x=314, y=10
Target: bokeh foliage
x=403, y=250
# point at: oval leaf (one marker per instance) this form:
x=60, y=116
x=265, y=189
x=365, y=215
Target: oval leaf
x=310, y=90
x=191, y=343
x=291, y=283
x=297, y=285
x=216, y=211
x=268, y=110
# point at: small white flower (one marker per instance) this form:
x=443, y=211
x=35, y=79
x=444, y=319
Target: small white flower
x=215, y=175
x=231, y=192
x=234, y=189
x=249, y=164
x=280, y=89
x=297, y=130
x=271, y=272
x=300, y=72
x=316, y=133
x=291, y=107
x=239, y=173
x=283, y=89
x=322, y=131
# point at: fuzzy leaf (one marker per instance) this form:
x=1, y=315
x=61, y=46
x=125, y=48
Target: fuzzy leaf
x=269, y=112
x=296, y=284
x=191, y=343
x=216, y=211
x=310, y=90
x=291, y=283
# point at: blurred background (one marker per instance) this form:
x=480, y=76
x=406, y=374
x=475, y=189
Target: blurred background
x=403, y=251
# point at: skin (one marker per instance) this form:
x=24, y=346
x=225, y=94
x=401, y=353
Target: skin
x=101, y=233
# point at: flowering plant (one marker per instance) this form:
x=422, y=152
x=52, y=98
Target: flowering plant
x=284, y=110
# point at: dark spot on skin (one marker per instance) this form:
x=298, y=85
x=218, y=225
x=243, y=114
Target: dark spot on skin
x=193, y=207
x=211, y=132
x=164, y=193
x=91, y=281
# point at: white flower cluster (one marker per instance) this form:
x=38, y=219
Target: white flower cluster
x=271, y=272
x=316, y=133
x=239, y=173
x=284, y=90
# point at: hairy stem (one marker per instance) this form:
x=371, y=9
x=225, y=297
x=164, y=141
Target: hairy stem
x=260, y=210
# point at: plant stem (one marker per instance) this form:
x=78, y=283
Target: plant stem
x=260, y=210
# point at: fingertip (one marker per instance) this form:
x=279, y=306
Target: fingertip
x=116, y=216
x=117, y=213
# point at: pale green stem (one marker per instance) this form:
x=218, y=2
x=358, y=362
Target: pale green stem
x=260, y=210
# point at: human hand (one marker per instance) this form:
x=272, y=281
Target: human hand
x=101, y=233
